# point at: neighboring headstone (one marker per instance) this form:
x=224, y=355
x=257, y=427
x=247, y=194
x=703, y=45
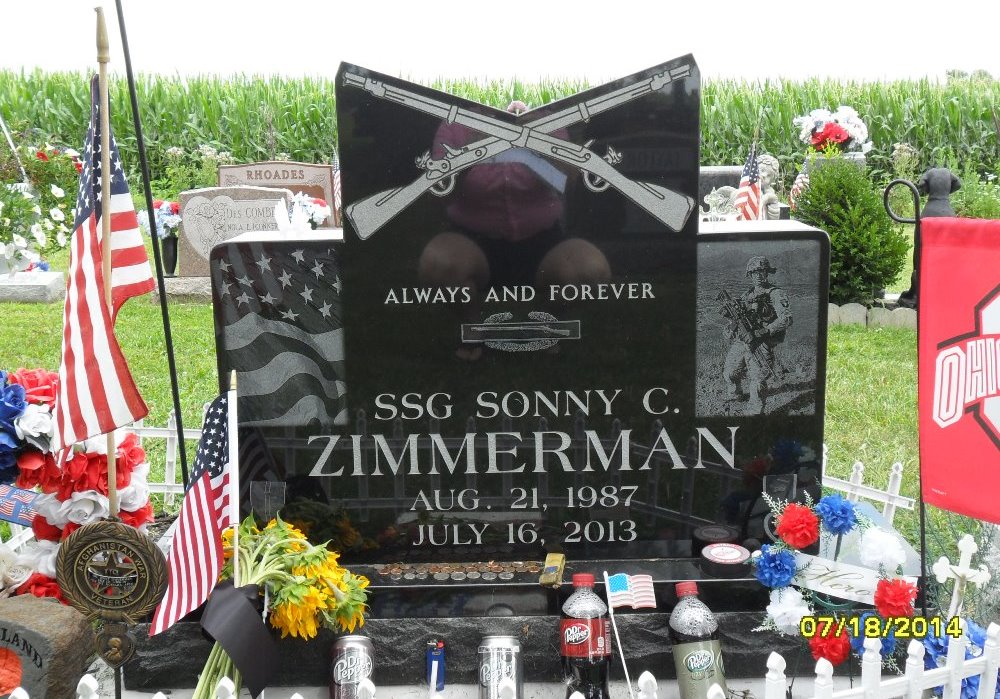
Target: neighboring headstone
x=314, y=180
x=853, y=314
x=45, y=647
x=519, y=346
x=213, y=215
x=32, y=287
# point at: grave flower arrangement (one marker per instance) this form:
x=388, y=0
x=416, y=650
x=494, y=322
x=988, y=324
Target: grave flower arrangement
x=304, y=586
x=75, y=492
x=800, y=525
x=840, y=131
x=167, y=217
x=936, y=655
x=30, y=226
x=317, y=210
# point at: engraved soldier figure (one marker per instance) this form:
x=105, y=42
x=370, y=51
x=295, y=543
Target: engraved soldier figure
x=757, y=323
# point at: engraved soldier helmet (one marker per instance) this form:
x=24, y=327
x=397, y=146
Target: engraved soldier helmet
x=758, y=263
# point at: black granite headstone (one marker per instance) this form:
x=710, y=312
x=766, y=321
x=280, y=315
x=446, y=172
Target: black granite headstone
x=522, y=345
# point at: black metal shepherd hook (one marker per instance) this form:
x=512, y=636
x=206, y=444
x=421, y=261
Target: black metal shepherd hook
x=908, y=297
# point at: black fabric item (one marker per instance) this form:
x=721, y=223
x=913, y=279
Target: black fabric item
x=231, y=618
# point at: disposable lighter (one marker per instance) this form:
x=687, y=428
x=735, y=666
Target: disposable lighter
x=435, y=664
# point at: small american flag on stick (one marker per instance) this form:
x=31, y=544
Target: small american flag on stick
x=195, y=559
x=96, y=391
x=635, y=591
x=748, y=195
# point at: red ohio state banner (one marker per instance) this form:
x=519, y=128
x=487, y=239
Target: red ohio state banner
x=959, y=365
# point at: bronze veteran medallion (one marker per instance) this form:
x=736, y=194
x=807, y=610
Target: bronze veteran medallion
x=115, y=575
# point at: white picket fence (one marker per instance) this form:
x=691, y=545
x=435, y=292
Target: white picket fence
x=912, y=684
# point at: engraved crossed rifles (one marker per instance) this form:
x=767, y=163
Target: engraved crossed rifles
x=373, y=212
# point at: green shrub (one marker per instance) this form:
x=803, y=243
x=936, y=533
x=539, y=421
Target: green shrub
x=977, y=198
x=867, y=252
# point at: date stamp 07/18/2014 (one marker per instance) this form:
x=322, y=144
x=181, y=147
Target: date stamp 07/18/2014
x=917, y=627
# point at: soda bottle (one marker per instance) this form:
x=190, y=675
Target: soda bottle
x=694, y=635
x=585, y=641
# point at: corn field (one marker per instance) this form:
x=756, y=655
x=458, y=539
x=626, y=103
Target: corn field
x=952, y=124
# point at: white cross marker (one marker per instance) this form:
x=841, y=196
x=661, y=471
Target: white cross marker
x=962, y=573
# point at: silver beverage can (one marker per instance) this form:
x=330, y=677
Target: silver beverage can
x=351, y=663
x=500, y=664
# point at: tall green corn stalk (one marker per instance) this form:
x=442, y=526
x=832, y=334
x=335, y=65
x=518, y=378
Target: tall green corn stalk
x=258, y=118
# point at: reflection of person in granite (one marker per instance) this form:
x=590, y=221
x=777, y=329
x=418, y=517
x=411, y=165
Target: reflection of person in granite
x=507, y=218
x=758, y=320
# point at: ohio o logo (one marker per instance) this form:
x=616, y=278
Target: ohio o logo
x=967, y=372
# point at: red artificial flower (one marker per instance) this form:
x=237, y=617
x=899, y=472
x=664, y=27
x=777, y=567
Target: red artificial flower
x=70, y=528
x=895, y=597
x=835, y=645
x=34, y=467
x=832, y=133
x=175, y=207
x=78, y=164
x=40, y=155
x=129, y=455
x=40, y=386
x=45, y=531
x=137, y=518
x=319, y=202
x=798, y=526
x=41, y=586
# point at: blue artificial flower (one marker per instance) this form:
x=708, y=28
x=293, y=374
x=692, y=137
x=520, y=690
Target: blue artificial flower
x=3, y=378
x=775, y=567
x=976, y=633
x=888, y=641
x=935, y=650
x=786, y=454
x=12, y=405
x=838, y=514
x=42, y=265
x=8, y=456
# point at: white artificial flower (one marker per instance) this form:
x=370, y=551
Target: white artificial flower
x=35, y=421
x=136, y=494
x=19, y=241
x=29, y=197
x=85, y=507
x=49, y=226
x=36, y=209
x=71, y=153
x=61, y=239
x=7, y=558
x=48, y=506
x=15, y=576
x=57, y=192
x=879, y=547
x=1, y=206
x=787, y=609
x=56, y=214
x=41, y=557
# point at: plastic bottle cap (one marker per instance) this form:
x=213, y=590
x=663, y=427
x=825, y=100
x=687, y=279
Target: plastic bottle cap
x=583, y=580
x=688, y=587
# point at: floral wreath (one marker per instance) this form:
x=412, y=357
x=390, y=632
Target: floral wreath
x=800, y=525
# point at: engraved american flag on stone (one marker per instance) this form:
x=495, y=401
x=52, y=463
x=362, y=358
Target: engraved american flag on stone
x=636, y=591
x=278, y=321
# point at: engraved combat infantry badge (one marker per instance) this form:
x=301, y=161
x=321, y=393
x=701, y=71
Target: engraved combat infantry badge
x=115, y=575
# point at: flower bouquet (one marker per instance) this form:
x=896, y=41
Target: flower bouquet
x=841, y=131
x=167, y=217
x=799, y=525
x=304, y=587
x=317, y=210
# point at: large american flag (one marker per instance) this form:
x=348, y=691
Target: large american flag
x=748, y=195
x=195, y=559
x=96, y=391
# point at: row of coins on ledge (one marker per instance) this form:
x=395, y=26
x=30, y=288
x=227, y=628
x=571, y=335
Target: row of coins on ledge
x=491, y=570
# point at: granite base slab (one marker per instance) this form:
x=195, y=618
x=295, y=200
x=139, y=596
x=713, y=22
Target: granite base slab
x=32, y=287
x=174, y=658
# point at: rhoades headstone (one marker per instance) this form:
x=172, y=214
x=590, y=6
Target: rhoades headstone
x=314, y=180
x=212, y=215
x=522, y=345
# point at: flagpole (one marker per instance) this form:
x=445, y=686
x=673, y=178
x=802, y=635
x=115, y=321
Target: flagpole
x=103, y=57
x=234, y=475
x=618, y=639
x=144, y=168
x=13, y=148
